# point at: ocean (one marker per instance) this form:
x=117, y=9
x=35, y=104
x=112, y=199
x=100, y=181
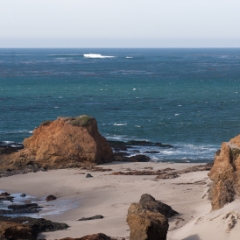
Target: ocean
x=189, y=98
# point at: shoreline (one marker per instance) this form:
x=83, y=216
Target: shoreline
x=111, y=195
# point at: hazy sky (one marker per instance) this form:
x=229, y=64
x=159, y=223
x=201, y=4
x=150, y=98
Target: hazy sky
x=119, y=23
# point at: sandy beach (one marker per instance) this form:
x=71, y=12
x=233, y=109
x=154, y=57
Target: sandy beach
x=111, y=195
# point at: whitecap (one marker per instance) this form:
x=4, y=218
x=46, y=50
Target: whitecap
x=117, y=137
x=129, y=57
x=120, y=124
x=134, y=89
x=8, y=142
x=96, y=55
x=177, y=114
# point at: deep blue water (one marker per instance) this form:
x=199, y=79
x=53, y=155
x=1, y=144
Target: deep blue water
x=189, y=98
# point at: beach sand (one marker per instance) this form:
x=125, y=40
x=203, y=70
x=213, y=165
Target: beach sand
x=111, y=195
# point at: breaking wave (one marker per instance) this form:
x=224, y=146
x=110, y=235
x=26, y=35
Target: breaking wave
x=96, y=55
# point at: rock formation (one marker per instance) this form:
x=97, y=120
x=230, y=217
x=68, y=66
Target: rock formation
x=65, y=142
x=225, y=174
x=149, y=203
x=23, y=228
x=147, y=225
x=12, y=230
x=98, y=236
x=148, y=219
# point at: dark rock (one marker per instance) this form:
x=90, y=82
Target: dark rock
x=139, y=158
x=118, y=145
x=4, y=194
x=136, y=158
x=23, y=195
x=123, y=146
x=51, y=198
x=10, y=147
x=6, y=197
x=26, y=228
x=147, y=143
x=21, y=209
x=98, y=236
x=44, y=169
x=151, y=152
x=91, y=218
x=89, y=175
x=22, y=206
x=149, y=203
x=120, y=154
x=12, y=231
x=146, y=198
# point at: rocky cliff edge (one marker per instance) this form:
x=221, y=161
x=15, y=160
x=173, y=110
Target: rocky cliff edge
x=225, y=174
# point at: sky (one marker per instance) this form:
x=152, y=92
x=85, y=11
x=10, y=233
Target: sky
x=119, y=23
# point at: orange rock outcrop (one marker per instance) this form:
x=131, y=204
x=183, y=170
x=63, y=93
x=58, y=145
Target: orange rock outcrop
x=225, y=174
x=65, y=142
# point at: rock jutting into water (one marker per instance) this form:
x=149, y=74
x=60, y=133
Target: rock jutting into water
x=21, y=209
x=225, y=174
x=8, y=147
x=123, y=146
x=65, y=142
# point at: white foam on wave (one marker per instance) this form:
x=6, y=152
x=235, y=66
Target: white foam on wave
x=181, y=152
x=129, y=57
x=15, y=131
x=96, y=55
x=120, y=124
x=116, y=137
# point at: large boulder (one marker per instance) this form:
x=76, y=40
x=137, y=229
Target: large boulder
x=147, y=225
x=65, y=142
x=148, y=219
x=225, y=174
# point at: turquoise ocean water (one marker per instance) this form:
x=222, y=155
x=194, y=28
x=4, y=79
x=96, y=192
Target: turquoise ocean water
x=189, y=98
